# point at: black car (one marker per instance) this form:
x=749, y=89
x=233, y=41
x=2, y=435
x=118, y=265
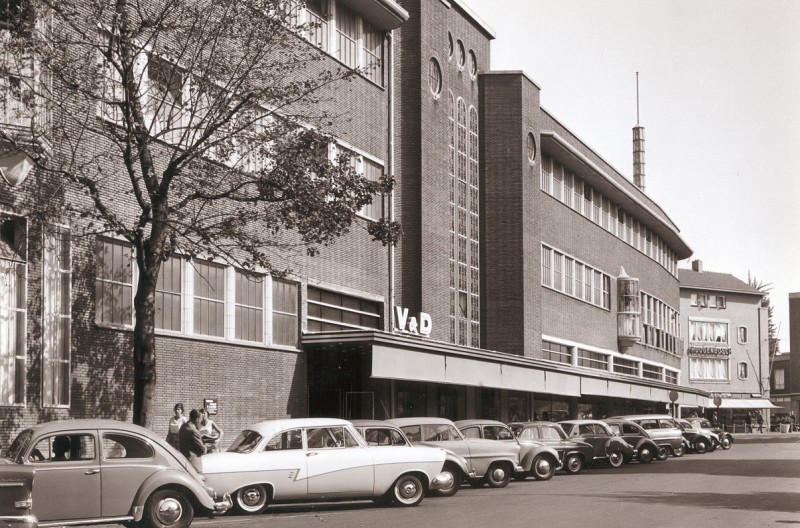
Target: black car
x=645, y=448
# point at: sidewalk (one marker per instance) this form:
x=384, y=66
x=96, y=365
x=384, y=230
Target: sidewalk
x=771, y=437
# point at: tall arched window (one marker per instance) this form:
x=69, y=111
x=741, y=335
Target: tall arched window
x=452, y=177
x=461, y=223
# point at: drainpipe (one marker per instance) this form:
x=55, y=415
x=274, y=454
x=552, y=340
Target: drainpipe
x=390, y=204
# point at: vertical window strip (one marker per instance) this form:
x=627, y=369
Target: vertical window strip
x=209, y=299
x=13, y=314
x=56, y=316
x=249, y=307
x=114, y=283
x=347, y=32
x=168, y=301
x=284, y=313
x=373, y=54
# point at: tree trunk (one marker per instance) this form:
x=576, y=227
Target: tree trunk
x=144, y=347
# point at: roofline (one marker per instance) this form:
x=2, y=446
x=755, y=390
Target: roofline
x=462, y=5
x=513, y=72
x=726, y=290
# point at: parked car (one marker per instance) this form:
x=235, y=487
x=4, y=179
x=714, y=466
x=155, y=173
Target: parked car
x=377, y=432
x=90, y=471
x=663, y=429
x=645, y=449
x=493, y=462
x=537, y=460
x=320, y=459
x=725, y=438
x=607, y=447
x=15, y=495
x=696, y=439
x=573, y=454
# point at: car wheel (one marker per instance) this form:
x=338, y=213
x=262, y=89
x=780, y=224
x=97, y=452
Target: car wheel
x=725, y=442
x=543, y=467
x=167, y=509
x=646, y=454
x=453, y=488
x=408, y=490
x=251, y=499
x=679, y=451
x=663, y=454
x=616, y=458
x=573, y=464
x=498, y=476
x=700, y=445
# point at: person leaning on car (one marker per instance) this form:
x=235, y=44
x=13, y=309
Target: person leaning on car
x=190, y=441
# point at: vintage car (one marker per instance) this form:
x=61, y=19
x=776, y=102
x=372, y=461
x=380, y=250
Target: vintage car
x=607, y=446
x=90, y=471
x=308, y=459
x=663, y=429
x=491, y=461
x=644, y=446
x=16, y=483
x=574, y=455
x=537, y=460
x=377, y=432
x=696, y=439
x=725, y=438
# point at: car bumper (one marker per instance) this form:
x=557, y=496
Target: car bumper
x=442, y=481
x=18, y=521
x=224, y=504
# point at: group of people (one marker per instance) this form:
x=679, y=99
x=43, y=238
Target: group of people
x=193, y=436
x=754, y=421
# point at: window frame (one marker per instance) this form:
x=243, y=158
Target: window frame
x=16, y=359
x=56, y=350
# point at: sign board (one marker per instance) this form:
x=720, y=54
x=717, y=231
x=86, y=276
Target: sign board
x=673, y=396
x=717, y=401
x=210, y=405
x=410, y=325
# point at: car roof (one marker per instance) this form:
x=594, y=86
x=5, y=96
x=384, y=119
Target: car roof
x=373, y=423
x=268, y=428
x=584, y=421
x=642, y=416
x=539, y=423
x=475, y=421
x=420, y=420
x=89, y=423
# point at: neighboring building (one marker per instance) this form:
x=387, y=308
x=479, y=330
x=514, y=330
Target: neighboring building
x=533, y=279
x=727, y=352
x=785, y=368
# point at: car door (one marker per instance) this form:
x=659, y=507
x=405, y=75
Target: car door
x=337, y=464
x=67, y=483
x=589, y=434
x=127, y=460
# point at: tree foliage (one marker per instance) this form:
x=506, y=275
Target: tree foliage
x=189, y=127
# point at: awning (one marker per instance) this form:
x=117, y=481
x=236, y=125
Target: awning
x=743, y=403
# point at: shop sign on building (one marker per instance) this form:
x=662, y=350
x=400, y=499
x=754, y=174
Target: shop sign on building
x=704, y=350
x=412, y=325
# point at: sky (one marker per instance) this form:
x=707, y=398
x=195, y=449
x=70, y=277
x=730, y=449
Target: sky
x=719, y=97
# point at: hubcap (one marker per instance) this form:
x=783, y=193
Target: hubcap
x=408, y=489
x=543, y=467
x=574, y=464
x=169, y=510
x=498, y=474
x=251, y=497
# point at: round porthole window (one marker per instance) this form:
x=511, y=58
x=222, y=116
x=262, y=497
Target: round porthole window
x=473, y=64
x=462, y=57
x=435, y=77
x=531, y=147
x=449, y=45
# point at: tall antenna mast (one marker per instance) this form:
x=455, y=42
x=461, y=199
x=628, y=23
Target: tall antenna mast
x=638, y=145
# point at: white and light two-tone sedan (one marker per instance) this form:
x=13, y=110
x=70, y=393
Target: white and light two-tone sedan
x=320, y=459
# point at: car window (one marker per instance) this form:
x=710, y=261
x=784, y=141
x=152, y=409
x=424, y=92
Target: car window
x=627, y=429
x=440, y=433
x=497, y=432
x=291, y=439
x=529, y=433
x=245, y=442
x=383, y=436
x=550, y=433
x=649, y=424
x=471, y=432
x=19, y=444
x=413, y=432
x=118, y=445
x=64, y=448
x=615, y=428
x=666, y=424
x=587, y=429
x=330, y=437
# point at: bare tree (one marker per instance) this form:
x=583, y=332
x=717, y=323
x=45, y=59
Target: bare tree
x=188, y=127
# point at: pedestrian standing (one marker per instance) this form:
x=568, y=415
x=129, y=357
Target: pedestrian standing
x=175, y=423
x=792, y=422
x=760, y=421
x=748, y=425
x=210, y=431
x=190, y=441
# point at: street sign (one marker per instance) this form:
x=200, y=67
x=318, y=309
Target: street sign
x=717, y=401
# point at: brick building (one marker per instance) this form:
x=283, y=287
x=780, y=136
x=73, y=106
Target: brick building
x=533, y=279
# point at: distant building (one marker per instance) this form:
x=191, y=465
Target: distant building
x=785, y=368
x=726, y=343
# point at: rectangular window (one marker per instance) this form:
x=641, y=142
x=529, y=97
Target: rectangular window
x=712, y=301
x=164, y=100
x=652, y=372
x=693, y=299
x=56, y=316
x=13, y=315
x=317, y=19
x=547, y=278
x=708, y=332
x=626, y=366
x=333, y=311
x=780, y=379
x=346, y=36
x=558, y=182
x=587, y=201
x=110, y=107
x=249, y=302
x=556, y=352
x=578, y=280
x=284, y=313
x=209, y=299
x=577, y=195
x=373, y=172
x=569, y=275
x=593, y=360
x=114, y=283
x=568, y=186
x=720, y=302
x=670, y=376
x=708, y=369
x=168, y=295
x=587, y=283
x=742, y=337
x=558, y=270
x=546, y=174
x=373, y=54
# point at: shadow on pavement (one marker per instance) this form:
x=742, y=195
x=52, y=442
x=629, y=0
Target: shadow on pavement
x=709, y=466
x=773, y=502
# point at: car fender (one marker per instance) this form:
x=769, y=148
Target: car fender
x=483, y=453
x=171, y=478
x=529, y=452
x=615, y=443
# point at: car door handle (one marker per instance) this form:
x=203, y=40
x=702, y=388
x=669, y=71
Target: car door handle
x=91, y=472
x=312, y=453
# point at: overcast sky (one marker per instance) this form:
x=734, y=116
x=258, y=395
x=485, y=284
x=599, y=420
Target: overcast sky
x=719, y=97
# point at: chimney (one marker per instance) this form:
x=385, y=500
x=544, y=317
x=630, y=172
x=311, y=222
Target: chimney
x=638, y=146
x=697, y=265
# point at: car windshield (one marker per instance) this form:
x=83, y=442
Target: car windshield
x=439, y=433
x=245, y=442
x=614, y=428
x=19, y=444
x=497, y=432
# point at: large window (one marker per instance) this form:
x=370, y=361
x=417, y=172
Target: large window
x=556, y=352
x=567, y=275
x=114, y=283
x=13, y=315
x=249, y=302
x=168, y=295
x=708, y=369
x=708, y=331
x=594, y=360
x=660, y=322
x=284, y=313
x=626, y=366
x=209, y=299
x=779, y=379
x=56, y=316
x=331, y=311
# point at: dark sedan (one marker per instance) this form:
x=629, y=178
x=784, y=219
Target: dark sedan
x=607, y=446
x=574, y=454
